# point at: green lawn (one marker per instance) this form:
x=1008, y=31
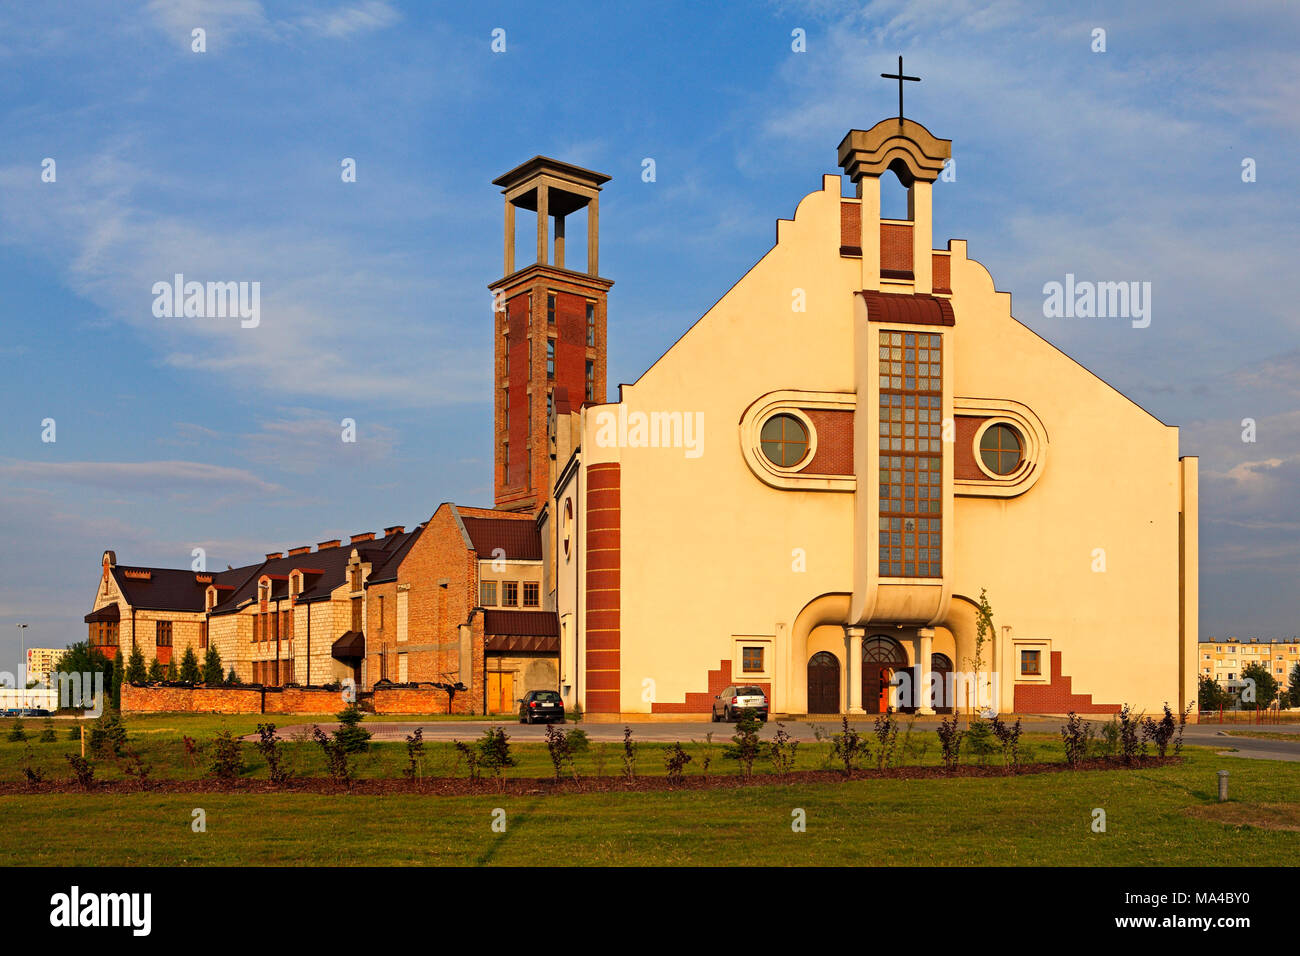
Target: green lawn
x=1042, y=819
x=1156, y=816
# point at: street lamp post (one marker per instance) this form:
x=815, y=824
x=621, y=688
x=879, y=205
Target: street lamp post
x=22, y=664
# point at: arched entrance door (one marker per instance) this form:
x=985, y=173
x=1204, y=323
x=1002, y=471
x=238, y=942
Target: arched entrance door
x=823, y=683
x=881, y=656
x=941, y=668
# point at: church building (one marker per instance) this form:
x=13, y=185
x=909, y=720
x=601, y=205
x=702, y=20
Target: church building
x=816, y=487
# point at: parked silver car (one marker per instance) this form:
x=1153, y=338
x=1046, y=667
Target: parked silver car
x=728, y=704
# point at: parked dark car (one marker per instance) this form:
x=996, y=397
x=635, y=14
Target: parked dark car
x=728, y=705
x=26, y=712
x=538, y=705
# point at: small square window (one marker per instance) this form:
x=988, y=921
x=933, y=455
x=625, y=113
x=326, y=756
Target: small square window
x=509, y=593
x=487, y=593
x=1031, y=663
x=531, y=589
x=752, y=660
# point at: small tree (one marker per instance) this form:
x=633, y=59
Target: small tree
x=848, y=746
x=269, y=746
x=1210, y=696
x=227, y=756
x=415, y=755
x=189, y=672
x=1075, y=732
x=494, y=751
x=16, y=732
x=675, y=760
x=156, y=673
x=950, y=737
x=745, y=746
x=340, y=768
x=211, y=666
x=47, y=732
x=108, y=735
x=783, y=749
x=351, y=736
x=1128, y=735
x=1160, y=732
x=232, y=679
x=886, y=739
x=980, y=740
x=171, y=671
x=1008, y=735
x=560, y=747
x=629, y=754
x=984, y=631
x=136, y=672
x=1265, y=685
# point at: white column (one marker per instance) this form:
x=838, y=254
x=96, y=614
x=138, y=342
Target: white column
x=853, y=668
x=925, y=647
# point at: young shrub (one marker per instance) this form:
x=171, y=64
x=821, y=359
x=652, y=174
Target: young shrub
x=156, y=673
x=415, y=755
x=31, y=773
x=675, y=761
x=494, y=751
x=108, y=736
x=783, y=749
x=1075, y=734
x=1008, y=736
x=471, y=758
x=706, y=757
x=1128, y=735
x=600, y=757
x=1107, y=744
x=135, y=766
x=576, y=714
x=83, y=771
x=950, y=738
x=980, y=741
x=745, y=745
x=848, y=746
x=350, y=735
x=189, y=672
x=336, y=758
x=268, y=745
x=48, y=735
x=886, y=739
x=16, y=732
x=1160, y=732
x=74, y=730
x=579, y=742
x=629, y=754
x=1182, y=725
x=232, y=679
x=227, y=756
x=560, y=747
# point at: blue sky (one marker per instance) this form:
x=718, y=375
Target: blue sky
x=175, y=434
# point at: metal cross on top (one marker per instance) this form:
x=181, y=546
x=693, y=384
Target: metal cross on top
x=900, y=77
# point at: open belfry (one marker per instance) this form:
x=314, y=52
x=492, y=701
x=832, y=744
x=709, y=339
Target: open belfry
x=856, y=482
x=550, y=326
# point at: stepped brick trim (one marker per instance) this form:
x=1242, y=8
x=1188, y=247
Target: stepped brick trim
x=701, y=702
x=603, y=620
x=1057, y=697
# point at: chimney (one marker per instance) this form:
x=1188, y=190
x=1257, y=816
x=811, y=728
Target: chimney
x=332, y=543
x=395, y=529
x=274, y=556
x=303, y=550
x=364, y=536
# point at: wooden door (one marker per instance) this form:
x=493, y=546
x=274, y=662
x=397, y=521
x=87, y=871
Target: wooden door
x=823, y=684
x=501, y=692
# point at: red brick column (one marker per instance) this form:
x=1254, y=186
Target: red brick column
x=603, y=570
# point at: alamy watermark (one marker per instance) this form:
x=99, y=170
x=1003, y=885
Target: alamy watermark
x=211, y=300
x=1085, y=299
x=624, y=429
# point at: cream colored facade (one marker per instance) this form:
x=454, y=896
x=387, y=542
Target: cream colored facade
x=1088, y=557
x=1224, y=660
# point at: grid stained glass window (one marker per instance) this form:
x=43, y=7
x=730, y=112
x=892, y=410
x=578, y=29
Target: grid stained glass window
x=911, y=455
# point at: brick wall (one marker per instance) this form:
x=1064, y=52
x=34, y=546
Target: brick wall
x=895, y=248
x=702, y=702
x=1057, y=696
x=191, y=700
x=302, y=700
x=414, y=700
x=834, y=442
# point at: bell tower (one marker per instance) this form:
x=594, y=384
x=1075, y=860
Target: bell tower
x=548, y=326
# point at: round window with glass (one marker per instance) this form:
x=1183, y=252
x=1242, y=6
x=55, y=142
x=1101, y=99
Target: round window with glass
x=784, y=440
x=1001, y=449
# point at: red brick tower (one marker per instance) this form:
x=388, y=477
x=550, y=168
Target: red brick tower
x=548, y=326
